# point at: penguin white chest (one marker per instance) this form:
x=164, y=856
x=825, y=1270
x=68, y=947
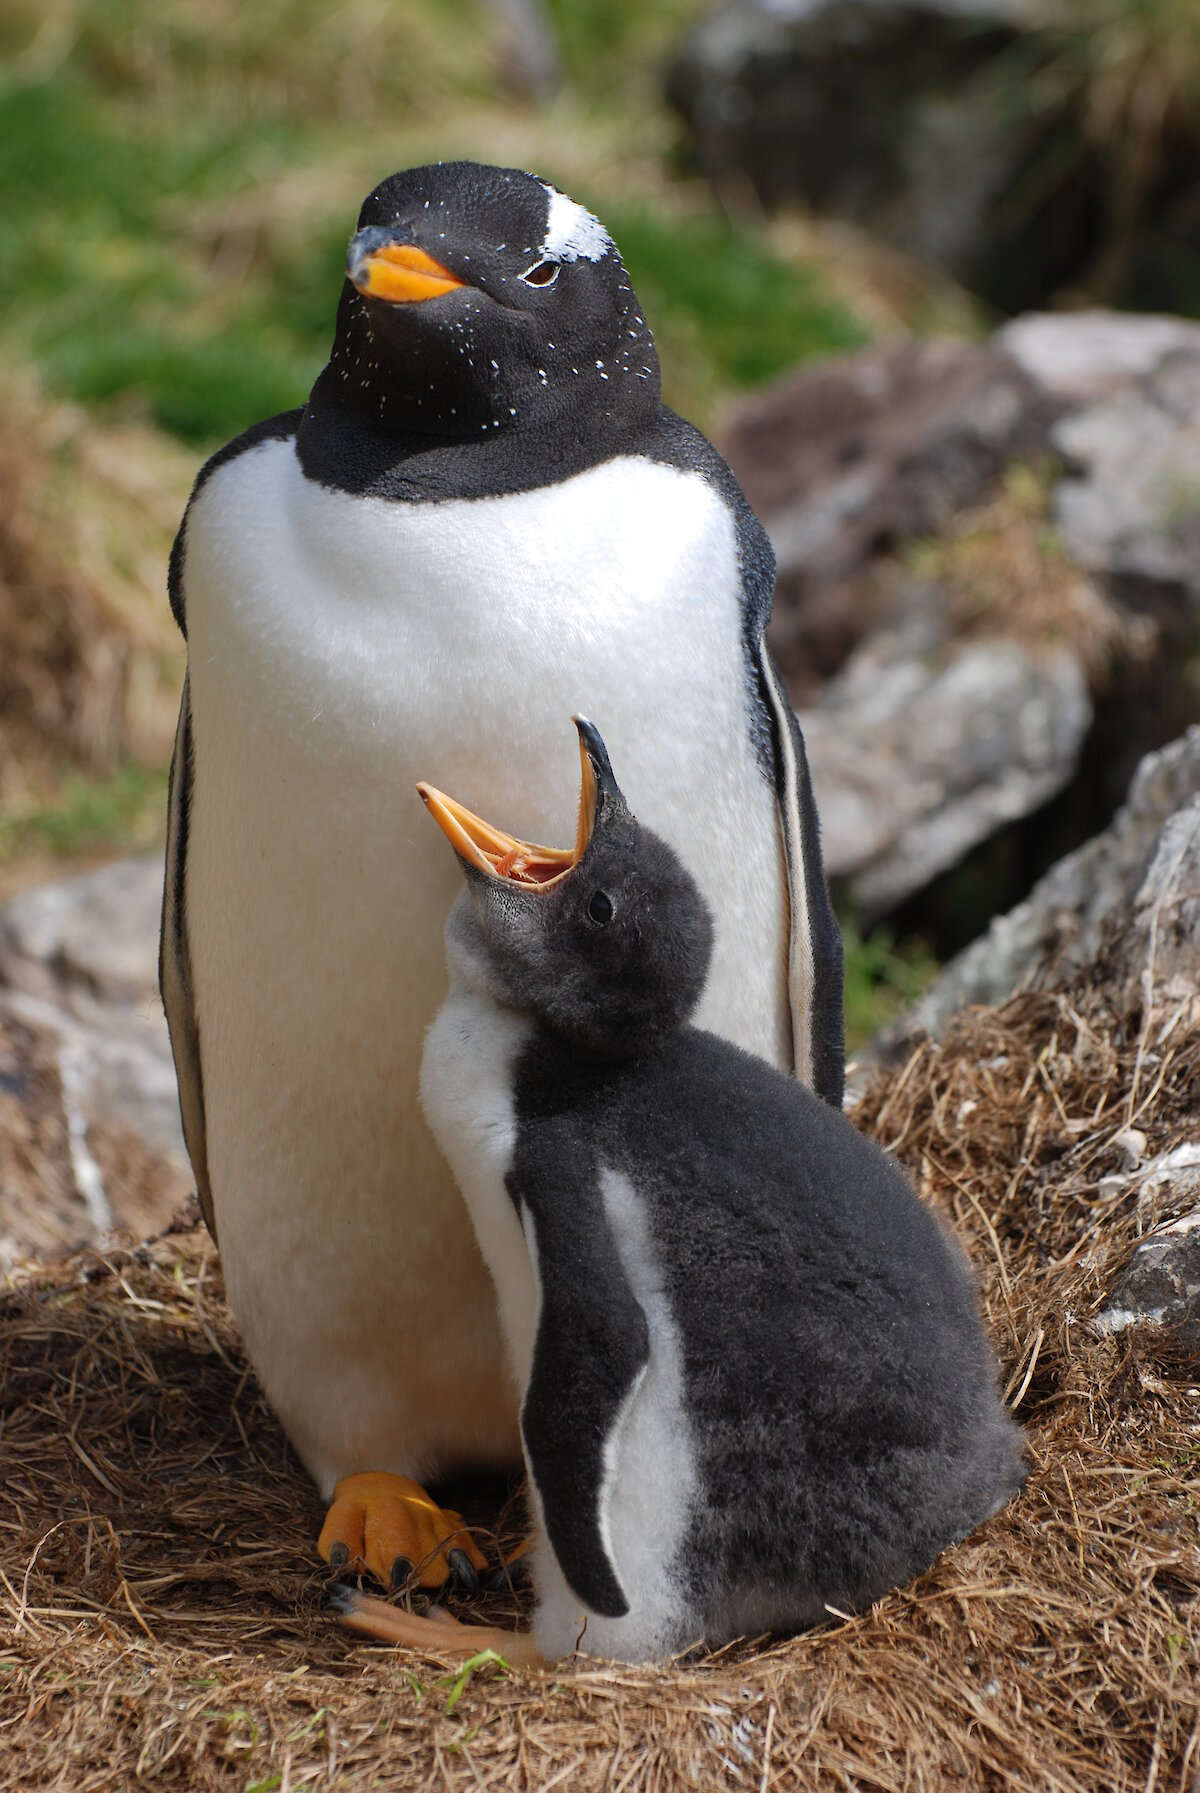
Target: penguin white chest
x=340, y=648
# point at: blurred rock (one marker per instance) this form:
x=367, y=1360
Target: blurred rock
x=1085, y=355
x=967, y=132
x=915, y=764
x=90, y=1137
x=42, y=1208
x=914, y=118
x=525, y=48
x=855, y=456
x=1129, y=506
x=935, y=719
x=1068, y=914
x=91, y=942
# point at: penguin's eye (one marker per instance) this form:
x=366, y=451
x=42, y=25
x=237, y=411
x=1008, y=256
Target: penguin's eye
x=600, y=908
x=542, y=273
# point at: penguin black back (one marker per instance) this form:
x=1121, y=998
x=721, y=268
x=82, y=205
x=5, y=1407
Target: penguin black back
x=759, y=1384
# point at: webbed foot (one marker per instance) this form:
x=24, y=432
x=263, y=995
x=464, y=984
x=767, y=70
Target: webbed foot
x=388, y=1525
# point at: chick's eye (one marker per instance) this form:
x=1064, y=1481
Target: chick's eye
x=600, y=908
x=542, y=273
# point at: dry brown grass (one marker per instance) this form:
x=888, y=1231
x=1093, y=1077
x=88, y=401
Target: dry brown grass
x=162, y=1611
x=90, y=660
x=1004, y=572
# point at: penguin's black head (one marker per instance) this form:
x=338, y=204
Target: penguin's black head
x=607, y=943
x=481, y=300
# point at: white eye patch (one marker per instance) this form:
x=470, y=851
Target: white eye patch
x=572, y=233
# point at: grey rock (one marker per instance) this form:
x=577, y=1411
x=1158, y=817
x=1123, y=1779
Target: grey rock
x=79, y=978
x=914, y=118
x=525, y=49
x=43, y=1209
x=1130, y=506
x=1081, y=356
x=1160, y=1285
x=914, y=764
x=1160, y=953
x=89, y=940
x=848, y=459
x=1066, y=917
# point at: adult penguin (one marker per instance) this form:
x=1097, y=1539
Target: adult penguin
x=483, y=519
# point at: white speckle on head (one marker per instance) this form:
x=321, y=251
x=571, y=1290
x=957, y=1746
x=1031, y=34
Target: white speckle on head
x=572, y=233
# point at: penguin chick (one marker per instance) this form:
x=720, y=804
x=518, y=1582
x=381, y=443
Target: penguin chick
x=610, y=959
x=757, y=1385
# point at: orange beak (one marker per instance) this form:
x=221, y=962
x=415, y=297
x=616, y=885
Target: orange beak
x=501, y=855
x=398, y=272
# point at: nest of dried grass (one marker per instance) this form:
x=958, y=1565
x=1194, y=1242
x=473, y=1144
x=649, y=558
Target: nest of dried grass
x=164, y=1614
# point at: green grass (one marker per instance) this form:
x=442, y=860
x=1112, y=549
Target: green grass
x=717, y=294
x=90, y=816
x=883, y=976
x=174, y=225
x=106, y=285
x=602, y=40
x=102, y=286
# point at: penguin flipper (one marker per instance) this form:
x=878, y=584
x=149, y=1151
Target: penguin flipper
x=174, y=964
x=590, y=1354
x=815, y=941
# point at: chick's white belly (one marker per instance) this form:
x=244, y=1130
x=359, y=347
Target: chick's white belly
x=340, y=649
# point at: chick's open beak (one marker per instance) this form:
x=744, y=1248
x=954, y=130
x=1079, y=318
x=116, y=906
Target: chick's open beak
x=384, y=268
x=502, y=855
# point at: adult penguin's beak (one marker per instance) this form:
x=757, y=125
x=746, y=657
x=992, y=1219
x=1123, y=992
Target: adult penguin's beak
x=382, y=266
x=501, y=855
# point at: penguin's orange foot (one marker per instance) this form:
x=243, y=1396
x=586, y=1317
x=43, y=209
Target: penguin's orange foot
x=388, y=1525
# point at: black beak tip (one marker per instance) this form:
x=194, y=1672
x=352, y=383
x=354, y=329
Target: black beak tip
x=597, y=752
x=370, y=238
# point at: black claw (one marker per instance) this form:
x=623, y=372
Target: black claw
x=339, y=1556
x=401, y=1570
x=515, y=1575
x=463, y=1570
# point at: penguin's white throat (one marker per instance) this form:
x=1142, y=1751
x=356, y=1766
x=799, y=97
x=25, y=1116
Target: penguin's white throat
x=472, y=966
